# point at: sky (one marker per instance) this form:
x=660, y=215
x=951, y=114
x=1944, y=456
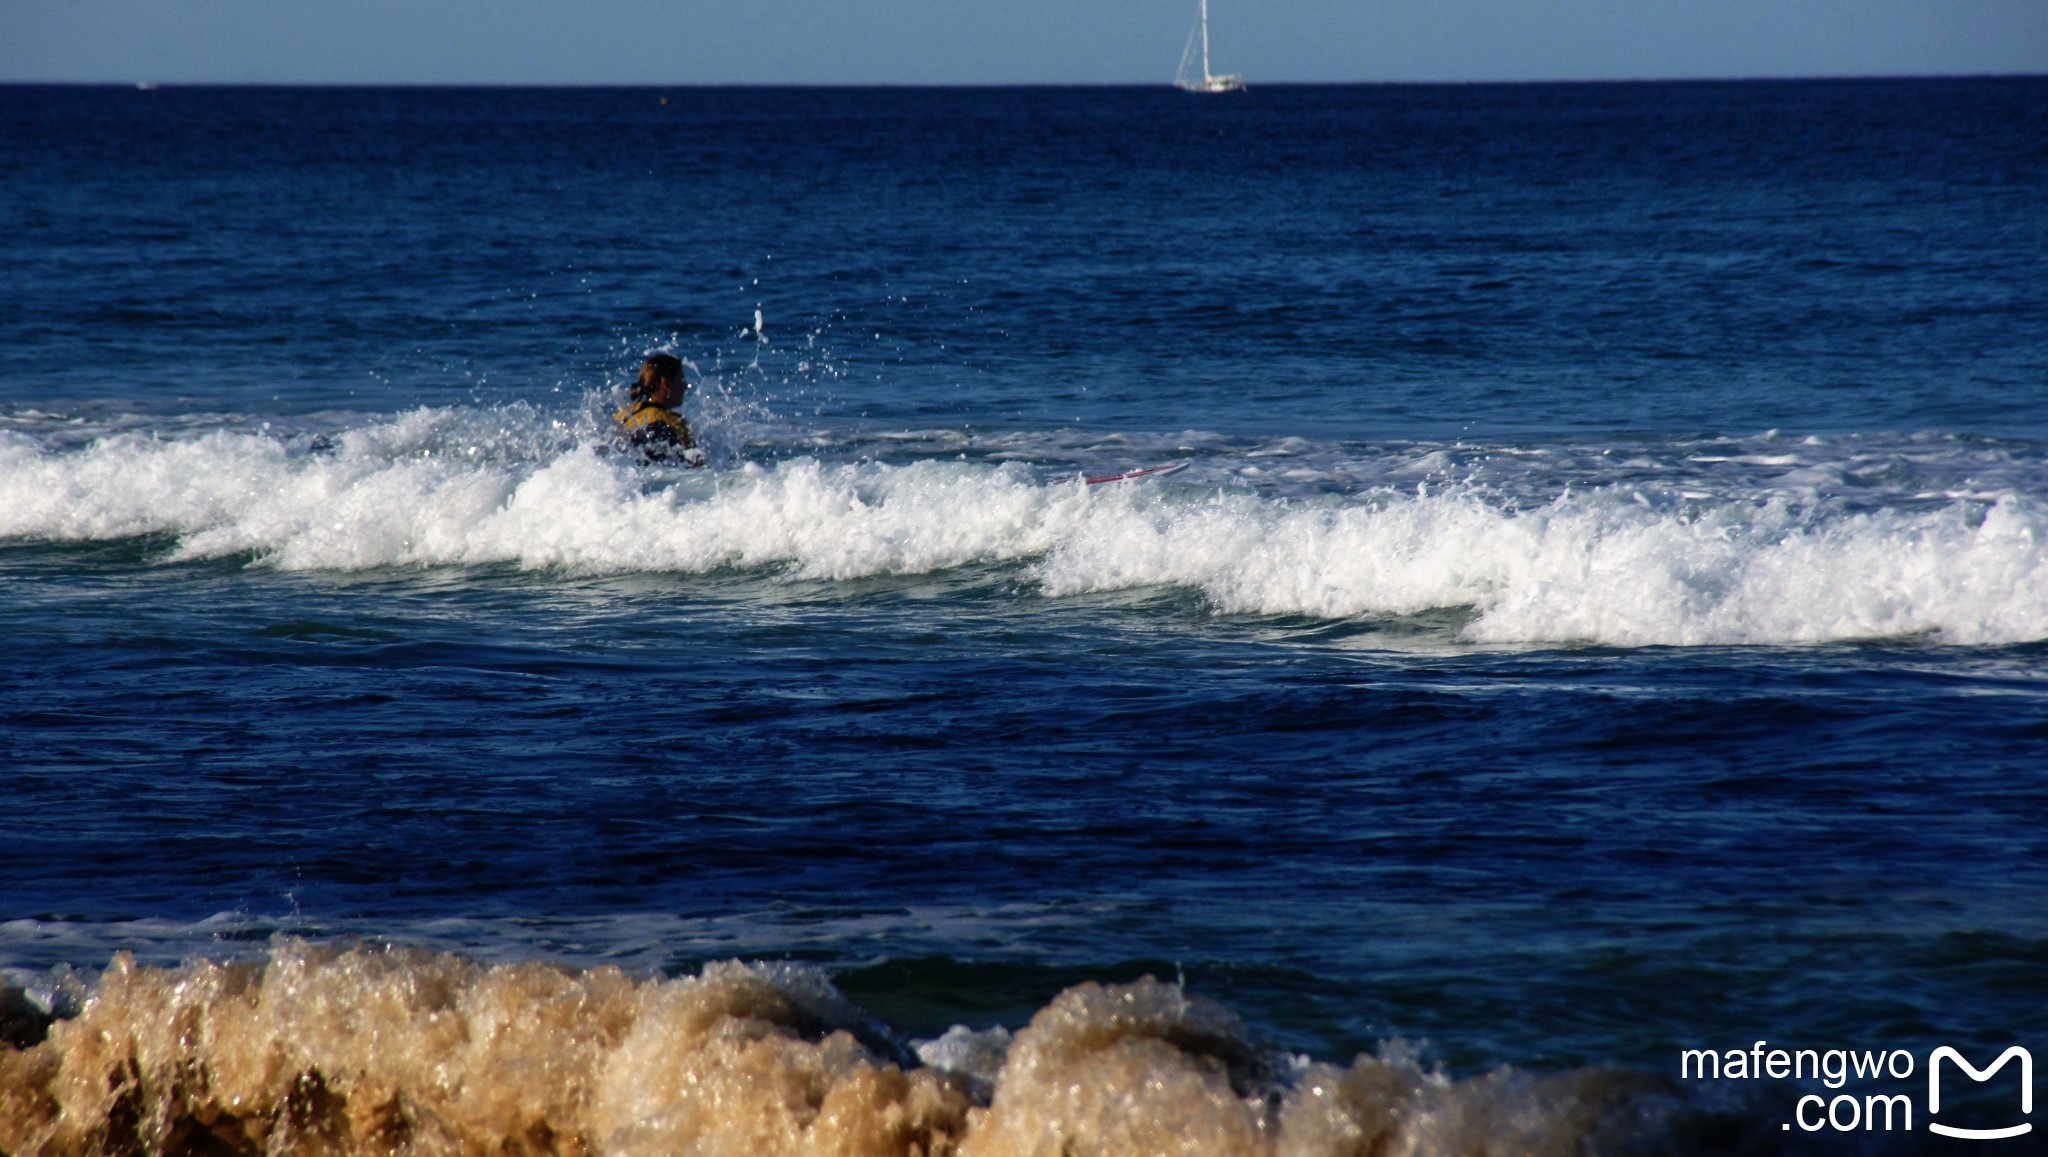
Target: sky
x=677, y=42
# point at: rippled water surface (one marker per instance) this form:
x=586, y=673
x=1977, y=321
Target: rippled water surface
x=1603, y=612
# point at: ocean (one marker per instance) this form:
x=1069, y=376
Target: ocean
x=1603, y=614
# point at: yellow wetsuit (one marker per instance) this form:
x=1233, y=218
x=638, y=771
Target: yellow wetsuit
x=655, y=431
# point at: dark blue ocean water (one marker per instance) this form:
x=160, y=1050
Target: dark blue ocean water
x=1606, y=610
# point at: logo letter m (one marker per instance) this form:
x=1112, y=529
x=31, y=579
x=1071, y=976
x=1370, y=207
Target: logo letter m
x=1977, y=1074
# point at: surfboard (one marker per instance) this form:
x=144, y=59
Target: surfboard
x=1141, y=472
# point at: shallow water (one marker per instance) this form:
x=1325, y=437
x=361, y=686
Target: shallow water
x=1603, y=613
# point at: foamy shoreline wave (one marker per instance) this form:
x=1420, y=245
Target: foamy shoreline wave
x=358, y=1050
x=1609, y=564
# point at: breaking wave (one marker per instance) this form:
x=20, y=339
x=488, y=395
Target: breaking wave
x=358, y=1050
x=1585, y=563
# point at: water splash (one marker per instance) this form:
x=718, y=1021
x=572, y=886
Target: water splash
x=355, y=1050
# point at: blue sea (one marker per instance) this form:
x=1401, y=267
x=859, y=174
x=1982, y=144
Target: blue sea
x=1603, y=614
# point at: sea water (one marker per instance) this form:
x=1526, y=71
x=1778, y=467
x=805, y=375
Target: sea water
x=1603, y=613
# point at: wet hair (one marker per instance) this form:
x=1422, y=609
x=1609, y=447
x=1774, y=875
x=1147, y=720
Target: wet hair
x=666, y=367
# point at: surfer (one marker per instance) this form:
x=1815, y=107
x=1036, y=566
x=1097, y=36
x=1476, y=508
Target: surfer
x=651, y=423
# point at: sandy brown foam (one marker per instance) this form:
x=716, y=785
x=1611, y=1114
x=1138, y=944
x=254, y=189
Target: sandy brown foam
x=385, y=1051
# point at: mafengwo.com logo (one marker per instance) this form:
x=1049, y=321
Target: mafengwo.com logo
x=1947, y=1072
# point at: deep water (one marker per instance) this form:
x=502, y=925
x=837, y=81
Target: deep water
x=1604, y=612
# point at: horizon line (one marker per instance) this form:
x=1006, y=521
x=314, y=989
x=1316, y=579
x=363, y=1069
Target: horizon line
x=142, y=82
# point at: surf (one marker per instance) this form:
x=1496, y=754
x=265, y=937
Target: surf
x=1529, y=553
x=349, y=1049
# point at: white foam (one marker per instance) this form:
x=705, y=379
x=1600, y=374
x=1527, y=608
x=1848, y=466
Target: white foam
x=1603, y=567
x=1626, y=563
x=976, y=1056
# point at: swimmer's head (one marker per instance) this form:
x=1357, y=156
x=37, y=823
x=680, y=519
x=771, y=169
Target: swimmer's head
x=661, y=380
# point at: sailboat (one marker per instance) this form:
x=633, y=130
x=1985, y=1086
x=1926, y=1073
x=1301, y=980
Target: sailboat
x=1185, y=79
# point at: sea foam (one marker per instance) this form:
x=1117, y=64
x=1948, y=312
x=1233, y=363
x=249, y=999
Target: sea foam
x=1603, y=564
x=370, y=1050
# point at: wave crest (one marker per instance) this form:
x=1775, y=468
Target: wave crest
x=360, y=1050
x=1607, y=565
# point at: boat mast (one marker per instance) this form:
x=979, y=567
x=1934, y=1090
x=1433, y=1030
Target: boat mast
x=1185, y=79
